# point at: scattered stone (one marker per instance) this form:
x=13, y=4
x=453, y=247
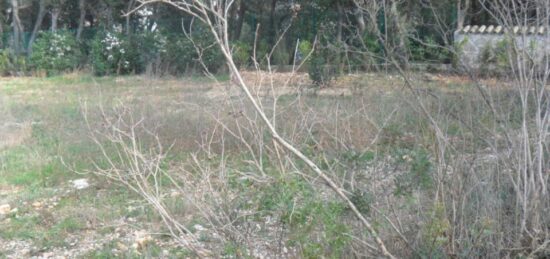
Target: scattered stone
x=142, y=239
x=5, y=209
x=36, y=204
x=120, y=246
x=199, y=228
x=174, y=194
x=80, y=184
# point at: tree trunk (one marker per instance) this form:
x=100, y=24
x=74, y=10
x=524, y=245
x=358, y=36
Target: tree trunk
x=272, y=29
x=1, y=32
x=55, y=16
x=37, y=23
x=17, y=27
x=461, y=10
x=340, y=22
x=399, y=34
x=239, y=22
x=361, y=24
x=128, y=9
x=81, y=19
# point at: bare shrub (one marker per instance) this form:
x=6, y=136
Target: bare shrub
x=429, y=172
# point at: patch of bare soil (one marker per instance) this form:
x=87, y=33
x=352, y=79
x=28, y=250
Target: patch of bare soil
x=121, y=237
x=265, y=84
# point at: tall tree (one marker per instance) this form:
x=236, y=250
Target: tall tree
x=462, y=7
x=55, y=11
x=81, y=18
x=39, y=18
x=17, y=27
x=272, y=24
x=2, y=7
x=239, y=21
x=129, y=8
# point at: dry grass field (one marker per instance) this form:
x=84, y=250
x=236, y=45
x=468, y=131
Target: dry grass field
x=234, y=196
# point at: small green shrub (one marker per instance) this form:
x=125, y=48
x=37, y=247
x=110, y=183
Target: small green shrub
x=305, y=47
x=322, y=69
x=10, y=64
x=5, y=62
x=435, y=233
x=458, y=48
x=242, y=53
x=495, y=59
x=418, y=173
x=55, y=52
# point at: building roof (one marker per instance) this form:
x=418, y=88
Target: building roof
x=492, y=29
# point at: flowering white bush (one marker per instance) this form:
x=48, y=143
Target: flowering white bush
x=112, y=53
x=55, y=52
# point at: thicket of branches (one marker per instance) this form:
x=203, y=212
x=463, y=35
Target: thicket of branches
x=418, y=173
x=443, y=175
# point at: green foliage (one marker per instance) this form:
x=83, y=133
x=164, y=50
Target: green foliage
x=458, y=52
x=150, y=47
x=316, y=226
x=435, y=232
x=10, y=64
x=418, y=174
x=374, y=51
x=322, y=69
x=55, y=52
x=429, y=49
x=242, y=53
x=180, y=55
x=494, y=58
x=318, y=229
x=113, y=53
x=184, y=55
x=362, y=201
x=305, y=48
x=281, y=55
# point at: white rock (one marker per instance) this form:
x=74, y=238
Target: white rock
x=199, y=228
x=80, y=184
x=5, y=209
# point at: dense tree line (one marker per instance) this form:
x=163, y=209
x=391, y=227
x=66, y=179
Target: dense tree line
x=346, y=33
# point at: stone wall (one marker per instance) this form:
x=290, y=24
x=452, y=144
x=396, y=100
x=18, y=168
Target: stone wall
x=473, y=40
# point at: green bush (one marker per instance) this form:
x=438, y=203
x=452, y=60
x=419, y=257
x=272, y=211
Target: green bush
x=150, y=46
x=419, y=171
x=304, y=49
x=242, y=53
x=10, y=64
x=114, y=53
x=322, y=68
x=458, y=52
x=210, y=52
x=55, y=52
x=494, y=58
x=182, y=55
x=428, y=49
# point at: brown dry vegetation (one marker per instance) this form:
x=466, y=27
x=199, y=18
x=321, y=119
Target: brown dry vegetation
x=238, y=192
